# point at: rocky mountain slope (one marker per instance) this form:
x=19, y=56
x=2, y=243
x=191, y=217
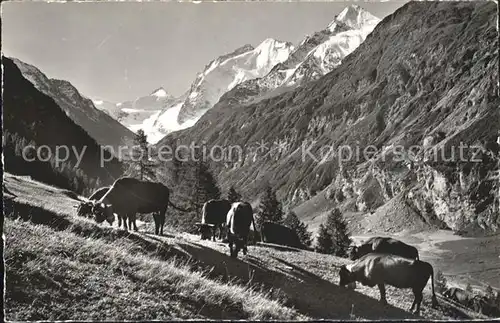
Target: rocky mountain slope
x=315, y=56
x=37, y=119
x=424, y=82
x=103, y=128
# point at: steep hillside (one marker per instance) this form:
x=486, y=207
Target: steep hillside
x=103, y=128
x=427, y=77
x=34, y=118
x=63, y=267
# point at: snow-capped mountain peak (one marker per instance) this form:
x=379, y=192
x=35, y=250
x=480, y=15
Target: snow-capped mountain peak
x=354, y=17
x=272, y=51
x=315, y=56
x=268, y=66
x=227, y=71
x=160, y=93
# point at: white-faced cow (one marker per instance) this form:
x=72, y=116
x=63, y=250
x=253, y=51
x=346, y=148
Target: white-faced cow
x=381, y=269
x=214, y=215
x=85, y=207
x=238, y=221
x=384, y=246
x=129, y=196
x=279, y=234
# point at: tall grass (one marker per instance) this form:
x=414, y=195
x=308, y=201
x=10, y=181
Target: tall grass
x=58, y=275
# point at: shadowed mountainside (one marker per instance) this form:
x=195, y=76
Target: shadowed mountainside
x=37, y=119
x=427, y=76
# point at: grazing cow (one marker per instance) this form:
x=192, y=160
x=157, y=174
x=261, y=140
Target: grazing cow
x=238, y=221
x=85, y=207
x=129, y=196
x=213, y=217
x=385, y=246
x=380, y=269
x=279, y=234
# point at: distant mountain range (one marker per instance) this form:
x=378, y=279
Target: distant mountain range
x=248, y=73
x=426, y=77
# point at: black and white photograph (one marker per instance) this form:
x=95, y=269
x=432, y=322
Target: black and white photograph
x=250, y=160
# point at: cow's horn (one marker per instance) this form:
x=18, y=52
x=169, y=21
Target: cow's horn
x=198, y=223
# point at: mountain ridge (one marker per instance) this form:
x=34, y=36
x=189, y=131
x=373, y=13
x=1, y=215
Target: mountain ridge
x=390, y=91
x=103, y=128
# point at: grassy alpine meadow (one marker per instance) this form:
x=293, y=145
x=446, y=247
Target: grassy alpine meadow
x=63, y=267
x=58, y=275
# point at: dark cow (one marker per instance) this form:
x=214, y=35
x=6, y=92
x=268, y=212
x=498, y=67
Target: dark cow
x=214, y=215
x=238, y=221
x=85, y=208
x=279, y=234
x=380, y=269
x=384, y=246
x=129, y=196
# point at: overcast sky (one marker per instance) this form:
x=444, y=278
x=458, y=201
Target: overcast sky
x=120, y=51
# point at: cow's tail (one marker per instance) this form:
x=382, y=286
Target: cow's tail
x=255, y=230
x=434, y=299
x=203, y=213
x=178, y=208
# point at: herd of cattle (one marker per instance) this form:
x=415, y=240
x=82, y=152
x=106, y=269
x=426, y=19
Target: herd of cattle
x=129, y=196
x=378, y=261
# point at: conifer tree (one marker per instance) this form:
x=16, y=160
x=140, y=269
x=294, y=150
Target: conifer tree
x=141, y=165
x=233, y=196
x=336, y=227
x=270, y=208
x=202, y=185
x=292, y=221
x=324, y=242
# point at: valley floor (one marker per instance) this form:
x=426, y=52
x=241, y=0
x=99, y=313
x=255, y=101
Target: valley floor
x=60, y=266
